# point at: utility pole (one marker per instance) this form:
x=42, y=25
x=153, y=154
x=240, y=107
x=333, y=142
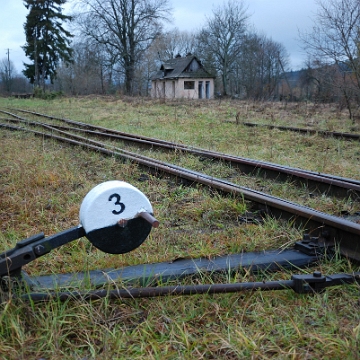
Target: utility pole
x=8, y=71
x=8, y=59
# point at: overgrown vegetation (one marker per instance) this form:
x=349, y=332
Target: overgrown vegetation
x=42, y=184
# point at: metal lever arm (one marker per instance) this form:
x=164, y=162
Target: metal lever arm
x=305, y=283
x=30, y=249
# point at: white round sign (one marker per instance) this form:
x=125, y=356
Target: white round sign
x=111, y=215
x=112, y=201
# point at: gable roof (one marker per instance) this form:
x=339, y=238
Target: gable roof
x=182, y=67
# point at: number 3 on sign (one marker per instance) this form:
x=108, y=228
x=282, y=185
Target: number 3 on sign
x=117, y=203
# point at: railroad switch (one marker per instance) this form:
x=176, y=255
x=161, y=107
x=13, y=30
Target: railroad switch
x=117, y=218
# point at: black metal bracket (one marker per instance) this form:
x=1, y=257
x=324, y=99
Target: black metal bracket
x=29, y=249
x=312, y=245
x=316, y=282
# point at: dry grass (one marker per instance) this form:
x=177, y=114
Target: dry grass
x=43, y=182
x=212, y=125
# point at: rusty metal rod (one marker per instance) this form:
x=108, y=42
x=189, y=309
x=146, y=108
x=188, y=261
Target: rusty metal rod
x=303, y=283
x=149, y=218
x=149, y=292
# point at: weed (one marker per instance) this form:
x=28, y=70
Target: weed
x=43, y=182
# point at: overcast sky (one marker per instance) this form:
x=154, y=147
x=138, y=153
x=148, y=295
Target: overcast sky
x=279, y=20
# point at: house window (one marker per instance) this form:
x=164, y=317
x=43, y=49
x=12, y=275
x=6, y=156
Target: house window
x=189, y=85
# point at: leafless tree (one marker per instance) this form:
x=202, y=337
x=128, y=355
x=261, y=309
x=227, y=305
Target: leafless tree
x=126, y=28
x=7, y=74
x=334, y=42
x=174, y=42
x=259, y=67
x=90, y=72
x=318, y=80
x=223, y=37
x=11, y=81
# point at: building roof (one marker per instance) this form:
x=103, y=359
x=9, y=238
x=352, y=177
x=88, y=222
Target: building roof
x=181, y=67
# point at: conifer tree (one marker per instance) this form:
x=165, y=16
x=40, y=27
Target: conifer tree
x=47, y=42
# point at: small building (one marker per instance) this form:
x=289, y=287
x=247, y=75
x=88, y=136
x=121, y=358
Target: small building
x=182, y=77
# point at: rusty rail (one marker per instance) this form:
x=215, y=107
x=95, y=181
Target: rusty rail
x=317, y=182
x=325, y=133
x=333, y=230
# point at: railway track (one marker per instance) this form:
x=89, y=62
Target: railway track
x=325, y=133
x=314, y=181
x=325, y=229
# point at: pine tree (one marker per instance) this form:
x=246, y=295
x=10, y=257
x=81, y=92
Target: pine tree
x=47, y=42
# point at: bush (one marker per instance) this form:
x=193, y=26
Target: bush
x=46, y=95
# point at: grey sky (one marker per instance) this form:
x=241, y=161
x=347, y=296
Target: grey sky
x=279, y=20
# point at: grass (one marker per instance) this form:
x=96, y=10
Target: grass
x=214, y=127
x=42, y=184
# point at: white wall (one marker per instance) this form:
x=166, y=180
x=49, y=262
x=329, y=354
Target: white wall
x=171, y=89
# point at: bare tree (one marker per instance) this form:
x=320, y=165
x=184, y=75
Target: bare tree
x=334, y=41
x=275, y=66
x=10, y=80
x=223, y=37
x=90, y=72
x=259, y=67
x=126, y=28
x=7, y=74
x=174, y=42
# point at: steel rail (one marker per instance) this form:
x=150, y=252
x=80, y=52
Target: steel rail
x=326, y=133
x=325, y=183
x=333, y=230
x=98, y=130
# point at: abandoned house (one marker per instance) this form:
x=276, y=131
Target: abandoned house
x=182, y=77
